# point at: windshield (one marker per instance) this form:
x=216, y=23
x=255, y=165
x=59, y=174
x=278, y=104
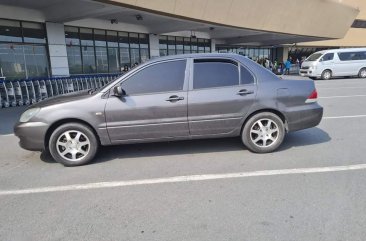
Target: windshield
x=314, y=57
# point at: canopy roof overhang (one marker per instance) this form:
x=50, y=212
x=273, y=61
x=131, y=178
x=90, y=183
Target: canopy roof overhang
x=234, y=22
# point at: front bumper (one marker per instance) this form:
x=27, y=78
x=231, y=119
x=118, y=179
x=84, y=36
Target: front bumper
x=31, y=135
x=308, y=73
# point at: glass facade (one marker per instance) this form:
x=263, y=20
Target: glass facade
x=171, y=45
x=103, y=51
x=23, y=51
x=255, y=53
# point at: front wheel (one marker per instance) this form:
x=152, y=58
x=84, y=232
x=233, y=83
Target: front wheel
x=263, y=133
x=73, y=144
x=362, y=73
x=326, y=75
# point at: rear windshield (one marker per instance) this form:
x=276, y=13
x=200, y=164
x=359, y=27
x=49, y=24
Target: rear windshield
x=314, y=57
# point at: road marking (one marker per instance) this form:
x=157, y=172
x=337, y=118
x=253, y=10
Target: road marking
x=179, y=179
x=340, y=96
x=344, y=117
x=340, y=87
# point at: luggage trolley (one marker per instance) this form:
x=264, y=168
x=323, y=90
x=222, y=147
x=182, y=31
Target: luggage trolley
x=24, y=91
x=11, y=93
x=37, y=90
x=60, y=86
x=43, y=90
x=18, y=93
x=75, y=83
x=69, y=85
x=3, y=95
x=31, y=91
x=54, y=86
x=100, y=80
x=49, y=87
x=85, y=82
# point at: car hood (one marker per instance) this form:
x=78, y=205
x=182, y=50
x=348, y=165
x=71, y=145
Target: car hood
x=63, y=99
x=308, y=63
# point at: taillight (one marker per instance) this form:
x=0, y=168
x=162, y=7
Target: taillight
x=313, y=97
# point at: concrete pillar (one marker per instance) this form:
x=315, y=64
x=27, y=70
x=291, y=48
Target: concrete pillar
x=213, y=46
x=281, y=54
x=154, y=45
x=57, y=49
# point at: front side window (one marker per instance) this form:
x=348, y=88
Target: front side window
x=328, y=57
x=161, y=77
x=215, y=73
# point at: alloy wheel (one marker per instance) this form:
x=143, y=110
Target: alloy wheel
x=73, y=145
x=264, y=133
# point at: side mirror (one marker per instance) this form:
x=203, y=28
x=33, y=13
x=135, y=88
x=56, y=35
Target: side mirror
x=118, y=91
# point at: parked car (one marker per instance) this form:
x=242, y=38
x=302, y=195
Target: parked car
x=173, y=98
x=335, y=63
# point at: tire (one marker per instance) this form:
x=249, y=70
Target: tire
x=362, y=73
x=256, y=138
x=326, y=75
x=73, y=144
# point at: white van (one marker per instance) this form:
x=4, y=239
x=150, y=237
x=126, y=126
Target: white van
x=335, y=62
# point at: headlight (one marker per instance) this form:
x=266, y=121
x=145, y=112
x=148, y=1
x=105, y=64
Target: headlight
x=28, y=114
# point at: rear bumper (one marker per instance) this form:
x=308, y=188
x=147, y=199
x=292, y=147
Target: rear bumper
x=305, y=117
x=31, y=135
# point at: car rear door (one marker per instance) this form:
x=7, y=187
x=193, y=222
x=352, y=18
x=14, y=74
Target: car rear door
x=221, y=93
x=154, y=107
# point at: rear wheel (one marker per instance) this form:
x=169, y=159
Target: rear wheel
x=326, y=75
x=73, y=144
x=362, y=73
x=263, y=132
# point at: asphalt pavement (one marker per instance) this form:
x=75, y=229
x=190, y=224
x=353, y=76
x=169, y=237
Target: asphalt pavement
x=312, y=188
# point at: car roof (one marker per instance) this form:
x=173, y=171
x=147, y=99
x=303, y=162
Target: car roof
x=200, y=55
x=341, y=50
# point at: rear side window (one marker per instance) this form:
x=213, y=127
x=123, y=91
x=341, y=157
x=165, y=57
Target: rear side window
x=161, y=77
x=245, y=76
x=328, y=57
x=215, y=73
x=348, y=56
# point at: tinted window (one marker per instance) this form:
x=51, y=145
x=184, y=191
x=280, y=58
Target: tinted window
x=245, y=76
x=313, y=57
x=162, y=77
x=215, y=73
x=328, y=57
x=347, y=56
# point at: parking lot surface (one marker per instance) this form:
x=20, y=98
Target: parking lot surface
x=312, y=188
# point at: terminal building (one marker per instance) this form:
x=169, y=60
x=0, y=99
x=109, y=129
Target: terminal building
x=48, y=38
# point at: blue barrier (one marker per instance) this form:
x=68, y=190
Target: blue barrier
x=30, y=91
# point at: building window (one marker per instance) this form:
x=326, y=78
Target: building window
x=251, y=52
x=171, y=45
x=102, y=51
x=23, y=52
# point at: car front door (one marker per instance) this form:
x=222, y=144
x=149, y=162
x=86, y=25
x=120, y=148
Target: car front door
x=327, y=62
x=154, y=105
x=221, y=93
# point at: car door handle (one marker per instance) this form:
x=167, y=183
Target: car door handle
x=245, y=92
x=174, y=98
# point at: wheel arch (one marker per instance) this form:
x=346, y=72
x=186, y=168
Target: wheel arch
x=274, y=111
x=58, y=123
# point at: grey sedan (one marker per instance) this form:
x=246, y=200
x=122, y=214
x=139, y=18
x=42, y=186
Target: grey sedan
x=173, y=98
